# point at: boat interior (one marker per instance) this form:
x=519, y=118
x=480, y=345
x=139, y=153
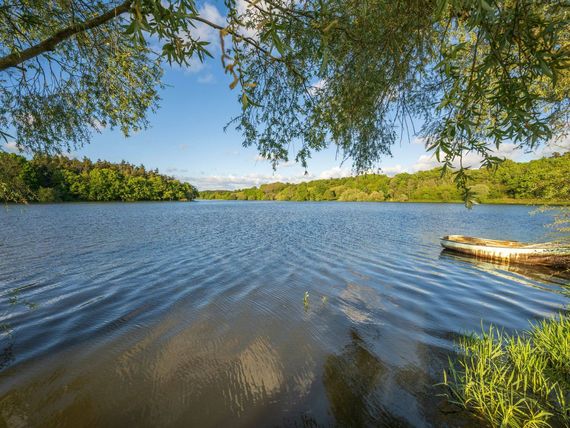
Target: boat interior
x=485, y=242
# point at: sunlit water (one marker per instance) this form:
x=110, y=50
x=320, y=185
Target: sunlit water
x=193, y=314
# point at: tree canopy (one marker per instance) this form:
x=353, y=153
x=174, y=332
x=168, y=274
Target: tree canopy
x=357, y=74
x=59, y=179
x=544, y=181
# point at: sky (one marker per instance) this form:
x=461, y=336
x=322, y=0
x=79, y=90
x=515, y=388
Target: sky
x=187, y=140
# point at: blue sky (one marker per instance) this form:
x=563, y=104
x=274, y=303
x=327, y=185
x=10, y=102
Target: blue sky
x=186, y=138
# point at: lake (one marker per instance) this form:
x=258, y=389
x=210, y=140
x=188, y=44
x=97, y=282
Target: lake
x=193, y=314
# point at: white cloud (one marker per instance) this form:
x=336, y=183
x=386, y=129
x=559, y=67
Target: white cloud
x=471, y=159
x=318, y=85
x=204, y=32
x=419, y=141
x=98, y=125
x=424, y=163
x=243, y=6
x=507, y=151
x=11, y=147
x=246, y=11
x=393, y=170
x=234, y=182
x=335, y=172
x=561, y=145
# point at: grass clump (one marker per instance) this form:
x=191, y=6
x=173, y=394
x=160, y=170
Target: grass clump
x=521, y=380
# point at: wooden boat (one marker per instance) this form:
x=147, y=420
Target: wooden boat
x=546, y=254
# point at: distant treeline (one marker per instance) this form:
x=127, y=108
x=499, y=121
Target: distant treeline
x=58, y=178
x=543, y=180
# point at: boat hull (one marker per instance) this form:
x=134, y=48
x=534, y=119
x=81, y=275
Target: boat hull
x=508, y=251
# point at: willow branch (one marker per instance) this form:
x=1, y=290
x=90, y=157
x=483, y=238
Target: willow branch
x=16, y=58
x=231, y=32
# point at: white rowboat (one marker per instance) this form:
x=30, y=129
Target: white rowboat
x=546, y=254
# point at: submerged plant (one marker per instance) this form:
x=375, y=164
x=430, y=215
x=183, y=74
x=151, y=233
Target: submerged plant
x=515, y=381
x=306, y=300
x=15, y=299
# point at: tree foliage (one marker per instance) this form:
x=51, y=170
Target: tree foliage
x=96, y=78
x=545, y=180
x=57, y=179
x=311, y=73
x=476, y=73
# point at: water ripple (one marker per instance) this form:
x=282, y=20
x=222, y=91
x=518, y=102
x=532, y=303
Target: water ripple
x=194, y=314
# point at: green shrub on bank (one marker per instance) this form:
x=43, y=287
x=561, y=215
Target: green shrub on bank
x=515, y=381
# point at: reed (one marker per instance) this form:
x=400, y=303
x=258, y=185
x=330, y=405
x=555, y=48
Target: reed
x=521, y=380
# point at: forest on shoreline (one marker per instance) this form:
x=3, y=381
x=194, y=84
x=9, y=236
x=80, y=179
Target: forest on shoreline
x=61, y=179
x=545, y=180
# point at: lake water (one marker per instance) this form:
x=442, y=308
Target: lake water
x=193, y=314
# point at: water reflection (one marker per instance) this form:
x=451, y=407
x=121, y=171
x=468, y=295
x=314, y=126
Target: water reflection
x=351, y=380
x=365, y=390
x=6, y=355
x=358, y=303
x=12, y=300
x=517, y=272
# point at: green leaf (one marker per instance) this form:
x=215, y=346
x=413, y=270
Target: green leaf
x=486, y=6
x=278, y=43
x=441, y=5
x=544, y=67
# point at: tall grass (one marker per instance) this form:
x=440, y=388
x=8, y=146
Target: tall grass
x=515, y=381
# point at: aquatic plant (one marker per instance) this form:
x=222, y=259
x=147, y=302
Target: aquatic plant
x=306, y=300
x=521, y=380
x=14, y=298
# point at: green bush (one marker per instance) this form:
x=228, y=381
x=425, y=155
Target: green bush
x=47, y=194
x=481, y=191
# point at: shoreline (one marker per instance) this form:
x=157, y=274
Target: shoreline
x=529, y=202
x=493, y=202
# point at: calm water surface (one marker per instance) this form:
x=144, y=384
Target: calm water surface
x=174, y=314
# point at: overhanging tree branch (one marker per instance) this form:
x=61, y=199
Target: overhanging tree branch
x=231, y=32
x=16, y=58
